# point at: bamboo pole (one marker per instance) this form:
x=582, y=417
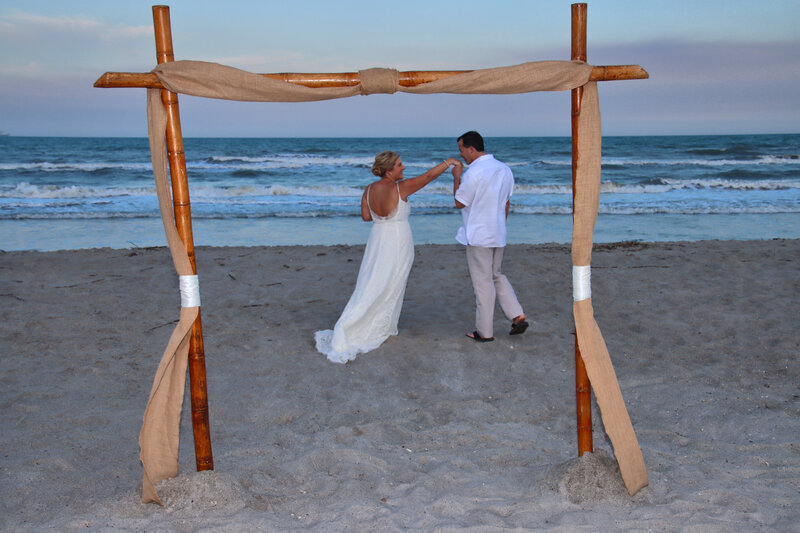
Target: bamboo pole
x=350, y=79
x=583, y=388
x=183, y=221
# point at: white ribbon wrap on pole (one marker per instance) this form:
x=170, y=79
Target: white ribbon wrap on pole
x=190, y=291
x=581, y=282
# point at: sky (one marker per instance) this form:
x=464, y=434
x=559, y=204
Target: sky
x=716, y=66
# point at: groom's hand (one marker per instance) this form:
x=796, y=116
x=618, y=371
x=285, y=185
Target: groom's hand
x=458, y=168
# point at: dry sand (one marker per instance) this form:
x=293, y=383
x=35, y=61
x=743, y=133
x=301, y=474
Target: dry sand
x=431, y=432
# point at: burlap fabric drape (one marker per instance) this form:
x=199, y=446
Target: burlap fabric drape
x=590, y=340
x=158, y=439
x=159, y=436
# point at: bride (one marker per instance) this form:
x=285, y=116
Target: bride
x=371, y=315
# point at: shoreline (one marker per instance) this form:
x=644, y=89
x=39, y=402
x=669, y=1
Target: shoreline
x=430, y=431
x=76, y=234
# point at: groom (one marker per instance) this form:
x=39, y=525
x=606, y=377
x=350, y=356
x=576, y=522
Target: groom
x=483, y=194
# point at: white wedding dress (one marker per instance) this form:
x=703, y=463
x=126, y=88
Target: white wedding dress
x=371, y=315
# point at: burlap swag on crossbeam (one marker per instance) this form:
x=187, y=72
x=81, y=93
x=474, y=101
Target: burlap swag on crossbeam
x=158, y=439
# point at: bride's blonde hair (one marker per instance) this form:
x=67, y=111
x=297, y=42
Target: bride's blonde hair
x=384, y=161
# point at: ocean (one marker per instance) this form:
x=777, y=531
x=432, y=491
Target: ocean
x=70, y=193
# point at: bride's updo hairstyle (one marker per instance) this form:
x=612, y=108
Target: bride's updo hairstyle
x=384, y=161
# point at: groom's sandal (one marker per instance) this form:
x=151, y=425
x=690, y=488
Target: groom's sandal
x=519, y=327
x=477, y=337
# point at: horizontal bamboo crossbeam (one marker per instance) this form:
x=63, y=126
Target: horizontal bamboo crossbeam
x=350, y=79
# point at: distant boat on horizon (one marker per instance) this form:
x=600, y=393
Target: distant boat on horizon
x=4, y=134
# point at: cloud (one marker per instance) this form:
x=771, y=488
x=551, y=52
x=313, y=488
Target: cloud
x=22, y=22
x=22, y=70
x=27, y=26
x=39, y=45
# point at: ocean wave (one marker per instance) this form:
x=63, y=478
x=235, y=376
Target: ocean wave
x=276, y=161
x=758, y=160
x=419, y=211
x=623, y=162
x=732, y=184
x=524, y=189
x=78, y=216
x=662, y=210
x=219, y=192
x=209, y=191
x=213, y=163
x=27, y=190
x=257, y=164
x=45, y=166
x=665, y=185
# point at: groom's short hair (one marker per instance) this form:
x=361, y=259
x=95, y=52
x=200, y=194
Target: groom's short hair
x=473, y=139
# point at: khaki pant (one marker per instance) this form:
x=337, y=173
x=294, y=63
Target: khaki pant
x=488, y=281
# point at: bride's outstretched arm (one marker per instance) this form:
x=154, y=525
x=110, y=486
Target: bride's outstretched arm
x=412, y=185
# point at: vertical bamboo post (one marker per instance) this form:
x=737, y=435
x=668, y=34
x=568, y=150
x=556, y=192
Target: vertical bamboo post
x=583, y=388
x=183, y=221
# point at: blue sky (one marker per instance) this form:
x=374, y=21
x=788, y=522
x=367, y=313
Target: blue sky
x=716, y=67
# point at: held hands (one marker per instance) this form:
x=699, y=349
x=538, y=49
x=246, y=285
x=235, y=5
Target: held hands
x=450, y=161
x=458, y=167
x=411, y=185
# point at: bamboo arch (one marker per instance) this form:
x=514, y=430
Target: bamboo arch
x=161, y=422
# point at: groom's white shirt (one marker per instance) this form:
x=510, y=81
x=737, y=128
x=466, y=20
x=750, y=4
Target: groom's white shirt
x=486, y=186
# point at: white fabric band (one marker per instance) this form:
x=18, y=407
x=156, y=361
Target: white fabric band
x=190, y=291
x=581, y=282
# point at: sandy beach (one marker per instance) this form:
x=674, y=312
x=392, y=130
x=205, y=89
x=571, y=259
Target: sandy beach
x=431, y=432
